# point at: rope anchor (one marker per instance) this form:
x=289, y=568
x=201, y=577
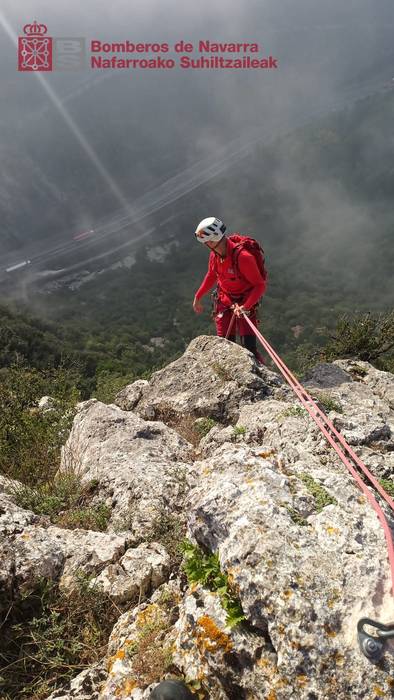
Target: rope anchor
x=373, y=647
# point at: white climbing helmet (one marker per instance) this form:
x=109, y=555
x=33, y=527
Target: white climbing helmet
x=210, y=229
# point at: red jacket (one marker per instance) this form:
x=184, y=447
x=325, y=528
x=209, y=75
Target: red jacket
x=251, y=286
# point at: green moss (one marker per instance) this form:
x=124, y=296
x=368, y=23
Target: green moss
x=296, y=516
x=388, y=486
x=328, y=403
x=292, y=411
x=321, y=496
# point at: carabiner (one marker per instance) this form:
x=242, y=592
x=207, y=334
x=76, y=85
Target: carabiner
x=373, y=647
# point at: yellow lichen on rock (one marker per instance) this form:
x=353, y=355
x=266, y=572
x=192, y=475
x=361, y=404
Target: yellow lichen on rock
x=212, y=639
x=119, y=656
x=149, y=616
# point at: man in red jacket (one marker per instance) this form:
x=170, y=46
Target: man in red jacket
x=237, y=291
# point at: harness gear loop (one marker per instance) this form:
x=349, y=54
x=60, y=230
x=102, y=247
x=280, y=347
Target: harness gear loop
x=371, y=647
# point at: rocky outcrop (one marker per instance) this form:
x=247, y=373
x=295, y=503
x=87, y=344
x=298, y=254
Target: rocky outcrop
x=214, y=377
x=140, y=466
x=297, y=541
x=300, y=544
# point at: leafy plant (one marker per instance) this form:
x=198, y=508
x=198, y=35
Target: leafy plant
x=205, y=569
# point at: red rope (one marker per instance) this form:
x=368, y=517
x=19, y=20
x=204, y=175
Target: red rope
x=325, y=425
x=231, y=325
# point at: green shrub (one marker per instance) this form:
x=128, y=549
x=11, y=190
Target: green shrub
x=30, y=439
x=365, y=336
x=66, y=501
x=108, y=385
x=239, y=430
x=49, y=636
x=204, y=425
x=95, y=517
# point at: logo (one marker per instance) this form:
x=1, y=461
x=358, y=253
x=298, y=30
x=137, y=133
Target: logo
x=37, y=52
x=35, y=49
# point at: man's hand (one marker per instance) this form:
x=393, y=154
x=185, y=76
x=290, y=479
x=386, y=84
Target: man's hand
x=197, y=306
x=239, y=310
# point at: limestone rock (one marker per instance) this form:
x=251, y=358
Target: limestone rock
x=128, y=397
x=140, y=571
x=85, y=686
x=212, y=378
x=300, y=545
x=140, y=466
x=58, y=554
x=47, y=403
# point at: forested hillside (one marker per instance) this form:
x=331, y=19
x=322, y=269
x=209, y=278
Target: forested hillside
x=319, y=200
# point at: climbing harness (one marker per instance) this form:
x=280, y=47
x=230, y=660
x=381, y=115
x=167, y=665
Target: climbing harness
x=372, y=647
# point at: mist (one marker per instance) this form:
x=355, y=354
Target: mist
x=81, y=147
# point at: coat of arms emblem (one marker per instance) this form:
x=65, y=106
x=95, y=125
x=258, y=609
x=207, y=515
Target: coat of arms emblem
x=35, y=49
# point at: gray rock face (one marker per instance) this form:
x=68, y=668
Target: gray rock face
x=140, y=466
x=137, y=573
x=299, y=543
x=212, y=378
x=380, y=382
x=58, y=554
x=85, y=686
x=129, y=396
x=303, y=576
x=301, y=547
x=326, y=376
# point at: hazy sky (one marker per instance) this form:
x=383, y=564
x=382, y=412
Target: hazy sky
x=320, y=47
x=324, y=49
